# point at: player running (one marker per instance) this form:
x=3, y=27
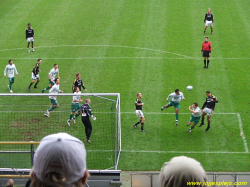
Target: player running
x=75, y=106
x=208, y=109
x=138, y=111
x=11, y=70
x=52, y=75
x=54, y=90
x=195, y=117
x=78, y=83
x=35, y=74
x=176, y=96
x=30, y=35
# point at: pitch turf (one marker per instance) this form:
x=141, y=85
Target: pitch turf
x=151, y=47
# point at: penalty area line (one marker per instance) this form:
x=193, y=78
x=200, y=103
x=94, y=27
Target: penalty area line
x=242, y=133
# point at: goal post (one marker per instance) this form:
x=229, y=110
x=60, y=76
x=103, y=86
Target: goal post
x=22, y=119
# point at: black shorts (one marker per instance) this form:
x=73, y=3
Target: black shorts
x=206, y=53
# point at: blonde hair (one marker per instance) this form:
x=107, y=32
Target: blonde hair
x=10, y=182
x=55, y=178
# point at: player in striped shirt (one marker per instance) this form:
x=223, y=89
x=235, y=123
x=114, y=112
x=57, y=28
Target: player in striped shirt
x=35, y=74
x=52, y=75
x=138, y=111
x=75, y=106
x=176, y=96
x=11, y=70
x=53, y=98
x=195, y=117
x=208, y=109
x=209, y=20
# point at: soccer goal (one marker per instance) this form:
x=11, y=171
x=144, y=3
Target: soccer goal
x=22, y=119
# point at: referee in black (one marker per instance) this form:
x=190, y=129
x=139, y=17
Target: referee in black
x=78, y=83
x=86, y=113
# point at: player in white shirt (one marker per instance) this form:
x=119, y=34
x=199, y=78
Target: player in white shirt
x=53, y=98
x=176, y=96
x=52, y=75
x=10, y=71
x=75, y=106
x=195, y=117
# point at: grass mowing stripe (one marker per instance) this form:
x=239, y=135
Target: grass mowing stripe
x=185, y=152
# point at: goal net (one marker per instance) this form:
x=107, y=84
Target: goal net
x=22, y=119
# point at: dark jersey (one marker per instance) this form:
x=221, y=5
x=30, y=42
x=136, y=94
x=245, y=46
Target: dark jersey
x=36, y=69
x=29, y=33
x=86, y=110
x=209, y=17
x=210, y=104
x=78, y=83
x=138, y=101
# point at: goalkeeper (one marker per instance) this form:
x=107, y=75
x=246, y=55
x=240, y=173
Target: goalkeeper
x=86, y=113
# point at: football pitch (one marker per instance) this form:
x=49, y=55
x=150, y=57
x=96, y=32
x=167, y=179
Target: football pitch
x=152, y=47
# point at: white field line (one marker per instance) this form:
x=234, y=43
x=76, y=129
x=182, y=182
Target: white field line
x=180, y=56
x=242, y=133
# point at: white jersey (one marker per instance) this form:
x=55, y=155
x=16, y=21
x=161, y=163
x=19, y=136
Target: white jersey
x=197, y=112
x=77, y=97
x=176, y=98
x=10, y=70
x=54, y=90
x=53, y=72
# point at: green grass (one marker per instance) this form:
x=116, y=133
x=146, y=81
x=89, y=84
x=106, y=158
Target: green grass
x=147, y=46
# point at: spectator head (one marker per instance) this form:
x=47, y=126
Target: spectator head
x=60, y=160
x=181, y=170
x=10, y=182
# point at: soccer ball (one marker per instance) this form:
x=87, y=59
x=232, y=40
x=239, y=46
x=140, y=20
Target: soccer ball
x=189, y=88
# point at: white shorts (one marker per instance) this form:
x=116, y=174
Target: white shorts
x=139, y=113
x=209, y=23
x=31, y=39
x=35, y=77
x=208, y=111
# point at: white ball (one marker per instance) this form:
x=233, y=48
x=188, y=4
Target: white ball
x=189, y=88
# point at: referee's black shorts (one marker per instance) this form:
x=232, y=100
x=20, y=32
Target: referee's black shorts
x=206, y=53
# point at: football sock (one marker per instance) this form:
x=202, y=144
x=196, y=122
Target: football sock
x=205, y=30
x=52, y=108
x=204, y=63
x=78, y=114
x=176, y=117
x=46, y=88
x=192, y=127
x=212, y=30
x=142, y=126
x=138, y=123
x=30, y=84
x=71, y=116
x=36, y=83
x=207, y=63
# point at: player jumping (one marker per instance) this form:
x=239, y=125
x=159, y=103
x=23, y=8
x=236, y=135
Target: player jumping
x=52, y=74
x=195, y=117
x=176, y=96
